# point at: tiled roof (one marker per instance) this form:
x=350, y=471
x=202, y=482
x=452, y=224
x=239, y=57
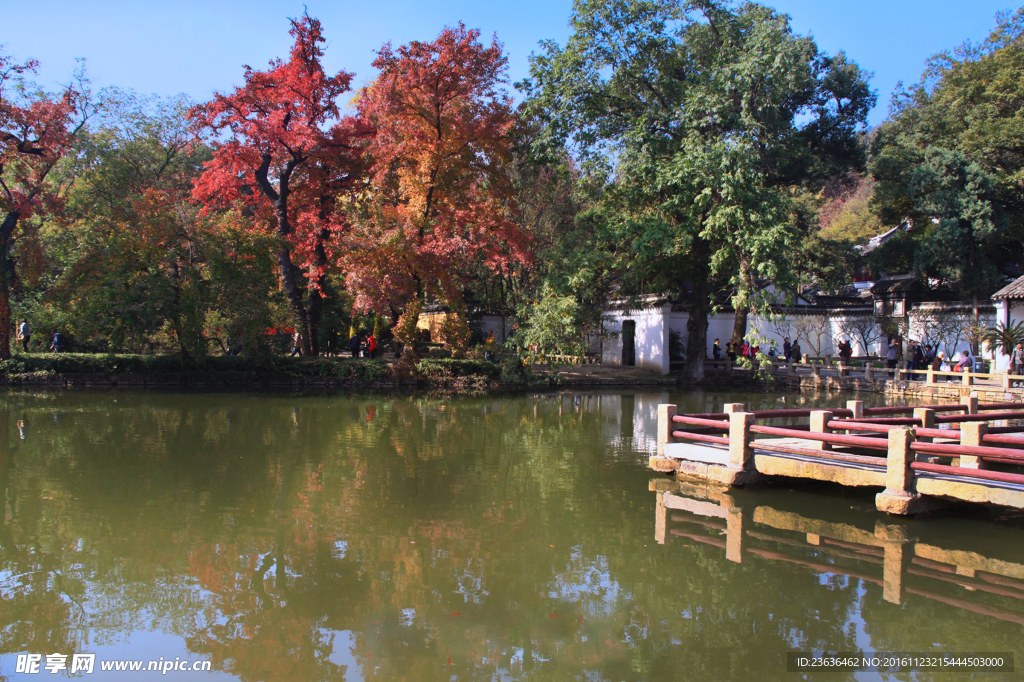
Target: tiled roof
x=892, y=285
x=1014, y=289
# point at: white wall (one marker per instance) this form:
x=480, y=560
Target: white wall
x=1007, y=311
x=653, y=326
x=651, y=337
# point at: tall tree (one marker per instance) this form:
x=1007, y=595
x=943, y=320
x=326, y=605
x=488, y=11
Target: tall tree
x=710, y=115
x=282, y=146
x=36, y=131
x=441, y=200
x=951, y=159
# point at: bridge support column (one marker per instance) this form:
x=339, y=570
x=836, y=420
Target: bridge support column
x=972, y=433
x=900, y=494
x=741, y=455
x=665, y=414
x=927, y=417
x=819, y=424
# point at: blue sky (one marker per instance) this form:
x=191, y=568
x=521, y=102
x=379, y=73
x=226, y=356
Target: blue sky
x=198, y=47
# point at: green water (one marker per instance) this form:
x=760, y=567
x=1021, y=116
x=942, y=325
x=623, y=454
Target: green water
x=345, y=538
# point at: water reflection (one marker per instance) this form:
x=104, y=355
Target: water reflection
x=909, y=561
x=331, y=538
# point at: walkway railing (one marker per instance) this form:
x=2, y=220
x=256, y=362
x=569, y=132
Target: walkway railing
x=828, y=366
x=968, y=447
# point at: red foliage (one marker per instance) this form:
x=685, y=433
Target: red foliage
x=441, y=201
x=283, y=149
x=35, y=133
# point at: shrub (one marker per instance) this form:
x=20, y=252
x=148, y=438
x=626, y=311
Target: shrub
x=439, y=368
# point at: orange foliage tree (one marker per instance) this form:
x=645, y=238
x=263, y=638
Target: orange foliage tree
x=441, y=201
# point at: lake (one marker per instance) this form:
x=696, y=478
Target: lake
x=326, y=537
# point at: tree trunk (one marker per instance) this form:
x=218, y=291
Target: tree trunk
x=6, y=270
x=294, y=293
x=742, y=304
x=700, y=307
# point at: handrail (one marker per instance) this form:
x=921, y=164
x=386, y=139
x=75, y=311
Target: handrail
x=701, y=437
x=832, y=438
x=700, y=421
x=986, y=474
x=957, y=450
x=942, y=419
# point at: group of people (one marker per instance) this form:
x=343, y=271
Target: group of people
x=363, y=346
x=745, y=349
x=926, y=357
x=57, y=344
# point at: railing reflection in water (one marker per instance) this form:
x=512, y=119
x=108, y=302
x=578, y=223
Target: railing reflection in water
x=889, y=555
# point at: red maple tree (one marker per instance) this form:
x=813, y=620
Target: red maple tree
x=36, y=132
x=283, y=149
x=441, y=203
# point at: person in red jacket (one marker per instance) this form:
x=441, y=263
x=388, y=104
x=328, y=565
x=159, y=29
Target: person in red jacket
x=371, y=345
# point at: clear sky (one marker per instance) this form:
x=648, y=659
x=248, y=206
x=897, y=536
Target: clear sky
x=197, y=48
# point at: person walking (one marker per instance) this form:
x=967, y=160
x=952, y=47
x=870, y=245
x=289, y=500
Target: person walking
x=296, y=344
x=57, y=344
x=371, y=346
x=24, y=333
x=1017, y=362
x=716, y=350
x=354, y=343
x=787, y=348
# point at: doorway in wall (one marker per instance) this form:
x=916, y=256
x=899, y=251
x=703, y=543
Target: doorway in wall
x=629, y=343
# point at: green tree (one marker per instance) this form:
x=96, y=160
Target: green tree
x=953, y=151
x=709, y=115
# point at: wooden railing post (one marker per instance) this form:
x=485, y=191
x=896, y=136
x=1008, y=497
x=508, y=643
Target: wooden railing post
x=1006, y=380
x=899, y=490
x=730, y=408
x=972, y=433
x=741, y=455
x=931, y=376
x=970, y=402
x=819, y=424
x=968, y=380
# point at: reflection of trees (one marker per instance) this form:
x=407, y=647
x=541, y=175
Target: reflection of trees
x=269, y=532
